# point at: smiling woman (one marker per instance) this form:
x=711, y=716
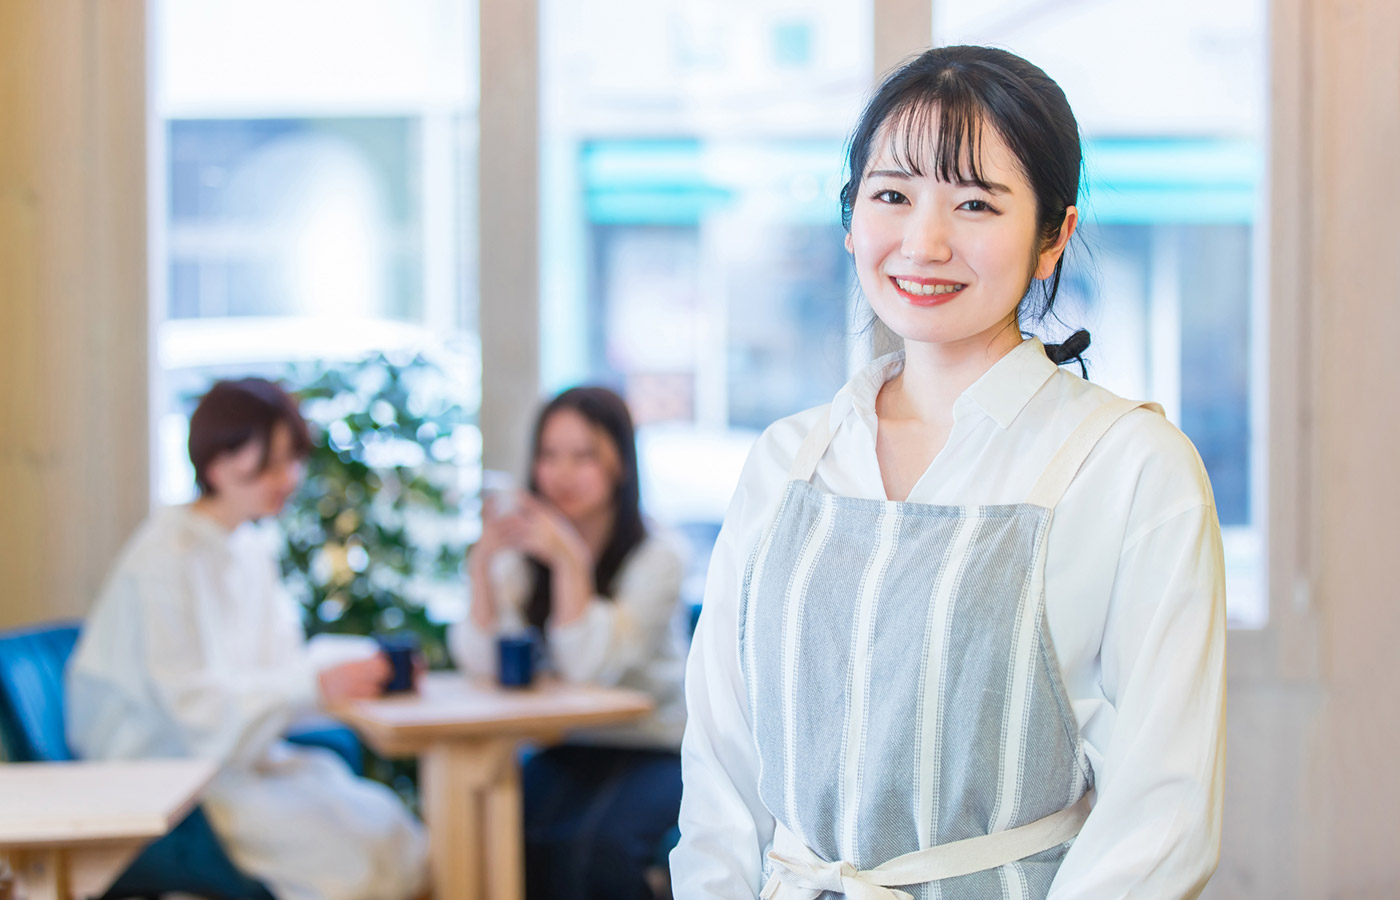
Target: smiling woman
x=964, y=631
x=921, y=242
x=964, y=163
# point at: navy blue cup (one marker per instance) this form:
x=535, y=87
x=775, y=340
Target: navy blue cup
x=517, y=660
x=401, y=650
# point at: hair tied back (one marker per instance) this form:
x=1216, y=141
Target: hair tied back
x=1071, y=350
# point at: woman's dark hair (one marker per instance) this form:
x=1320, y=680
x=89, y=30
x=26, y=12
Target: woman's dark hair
x=955, y=92
x=603, y=409
x=233, y=413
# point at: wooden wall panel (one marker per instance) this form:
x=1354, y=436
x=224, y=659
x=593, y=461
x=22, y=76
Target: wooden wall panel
x=74, y=316
x=1312, y=785
x=1356, y=194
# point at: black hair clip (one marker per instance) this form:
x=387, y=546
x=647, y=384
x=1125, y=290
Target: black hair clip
x=1071, y=350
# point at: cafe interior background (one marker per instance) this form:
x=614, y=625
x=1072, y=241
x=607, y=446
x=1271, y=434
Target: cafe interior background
x=494, y=200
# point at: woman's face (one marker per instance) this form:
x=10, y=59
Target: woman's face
x=252, y=492
x=944, y=263
x=577, y=467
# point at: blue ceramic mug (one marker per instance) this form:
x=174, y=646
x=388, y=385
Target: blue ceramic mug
x=401, y=650
x=517, y=660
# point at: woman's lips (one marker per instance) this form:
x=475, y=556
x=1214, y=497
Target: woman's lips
x=927, y=291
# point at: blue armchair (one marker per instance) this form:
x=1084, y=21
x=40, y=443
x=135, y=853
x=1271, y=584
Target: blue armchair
x=189, y=859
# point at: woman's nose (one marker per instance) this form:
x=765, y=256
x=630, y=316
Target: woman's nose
x=927, y=237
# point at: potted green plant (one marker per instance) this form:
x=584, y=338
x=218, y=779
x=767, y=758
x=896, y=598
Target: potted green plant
x=377, y=531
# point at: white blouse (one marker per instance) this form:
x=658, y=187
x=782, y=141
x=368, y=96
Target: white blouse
x=193, y=649
x=633, y=640
x=1135, y=601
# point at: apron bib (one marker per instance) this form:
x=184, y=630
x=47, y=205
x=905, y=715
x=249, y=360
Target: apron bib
x=912, y=727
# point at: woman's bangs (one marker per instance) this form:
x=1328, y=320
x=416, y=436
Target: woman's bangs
x=942, y=136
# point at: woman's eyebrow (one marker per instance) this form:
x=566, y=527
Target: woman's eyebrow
x=990, y=187
x=890, y=173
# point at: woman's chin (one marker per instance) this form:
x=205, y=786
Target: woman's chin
x=571, y=511
x=577, y=511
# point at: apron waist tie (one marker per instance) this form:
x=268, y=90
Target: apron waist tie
x=799, y=874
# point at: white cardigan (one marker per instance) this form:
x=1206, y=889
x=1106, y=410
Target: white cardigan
x=633, y=640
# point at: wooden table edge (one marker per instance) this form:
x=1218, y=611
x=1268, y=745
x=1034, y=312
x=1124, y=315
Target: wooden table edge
x=390, y=739
x=408, y=740
x=146, y=831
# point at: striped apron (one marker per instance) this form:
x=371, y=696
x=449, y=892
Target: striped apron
x=912, y=727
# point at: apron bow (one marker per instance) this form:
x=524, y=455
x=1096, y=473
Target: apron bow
x=807, y=878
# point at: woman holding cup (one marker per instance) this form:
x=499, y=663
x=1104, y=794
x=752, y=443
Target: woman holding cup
x=572, y=560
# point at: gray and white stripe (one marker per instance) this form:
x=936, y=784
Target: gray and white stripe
x=920, y=630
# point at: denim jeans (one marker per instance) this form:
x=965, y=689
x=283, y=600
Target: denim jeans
x=595, y=818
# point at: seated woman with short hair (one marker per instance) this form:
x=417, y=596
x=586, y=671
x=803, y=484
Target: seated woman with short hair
x=194, y=649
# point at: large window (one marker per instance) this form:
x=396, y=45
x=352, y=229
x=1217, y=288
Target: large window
x=692, y=246
x=320, y=199
x=319, y=169
x=1170, y=98
x=693, y=256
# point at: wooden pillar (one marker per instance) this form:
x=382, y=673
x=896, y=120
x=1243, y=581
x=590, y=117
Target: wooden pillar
x=1356, y=300
x=74, y=314
x=902, y=29
x=1312, y=786
x=509, y=229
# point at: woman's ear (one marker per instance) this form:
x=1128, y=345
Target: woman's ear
x=1045, y=262
x=216, y=472
x=850, y=245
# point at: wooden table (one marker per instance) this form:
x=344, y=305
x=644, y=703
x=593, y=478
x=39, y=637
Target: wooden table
x=69, y=829
x=466, y=735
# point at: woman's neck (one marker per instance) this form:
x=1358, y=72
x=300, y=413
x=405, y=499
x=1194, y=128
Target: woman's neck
x=935, y=375
x=211, y=508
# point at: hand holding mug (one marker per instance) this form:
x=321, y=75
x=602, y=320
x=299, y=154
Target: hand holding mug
x=360, y=679
x=542, y=531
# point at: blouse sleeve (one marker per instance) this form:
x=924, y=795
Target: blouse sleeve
x=725, y=828
x=226, y=713
x=1155, y=828
x=474, y=650
x=613, y=637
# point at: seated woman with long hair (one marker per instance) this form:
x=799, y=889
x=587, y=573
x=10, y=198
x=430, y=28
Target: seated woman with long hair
x=573, y=559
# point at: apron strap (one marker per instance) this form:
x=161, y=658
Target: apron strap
x=813, y=448
x=1054, y=481
x=799, y=874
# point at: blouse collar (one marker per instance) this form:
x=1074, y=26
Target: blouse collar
x=202, y=529
x=1001, y=393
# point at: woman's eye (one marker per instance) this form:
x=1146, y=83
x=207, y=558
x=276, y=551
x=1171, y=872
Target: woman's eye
x=889, y=197
x=977, y=206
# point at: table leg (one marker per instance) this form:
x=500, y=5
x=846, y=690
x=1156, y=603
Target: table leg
x=454, y=823
x=505, y=839
x=41, y=874
x=471, y=800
